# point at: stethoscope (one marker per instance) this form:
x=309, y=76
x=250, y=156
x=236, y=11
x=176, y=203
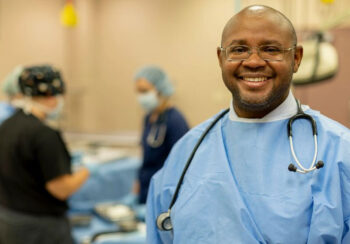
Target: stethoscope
x=156, y=135
x=164, y=219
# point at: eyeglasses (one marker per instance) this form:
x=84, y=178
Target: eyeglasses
x=266, y=52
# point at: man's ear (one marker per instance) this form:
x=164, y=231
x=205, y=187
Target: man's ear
x=298, y=55
x=220, y=54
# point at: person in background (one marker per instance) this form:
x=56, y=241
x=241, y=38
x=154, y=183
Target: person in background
x=11, y=89
x=163, y=124
x=242, y=185
x=35, y=169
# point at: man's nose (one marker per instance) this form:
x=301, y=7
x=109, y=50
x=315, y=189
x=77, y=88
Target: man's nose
x=254, y=60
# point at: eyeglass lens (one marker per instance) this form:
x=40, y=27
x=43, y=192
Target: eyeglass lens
x=269, y=53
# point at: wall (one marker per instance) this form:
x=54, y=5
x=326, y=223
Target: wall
x=332, y=97
x=116, y=37
x=30, y=33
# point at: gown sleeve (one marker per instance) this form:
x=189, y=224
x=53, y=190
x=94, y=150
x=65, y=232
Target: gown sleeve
x=152, y=207
x=346, y=234
x=157, y=204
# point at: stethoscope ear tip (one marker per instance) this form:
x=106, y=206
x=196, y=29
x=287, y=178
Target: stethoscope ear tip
x=319, y=164
x=291, y=167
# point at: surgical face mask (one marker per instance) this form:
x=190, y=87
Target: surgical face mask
x=148, y=101
x=57, y=111
x=51, y=113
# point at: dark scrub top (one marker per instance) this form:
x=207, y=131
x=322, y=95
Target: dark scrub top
x=31, y=155
x=153, y=158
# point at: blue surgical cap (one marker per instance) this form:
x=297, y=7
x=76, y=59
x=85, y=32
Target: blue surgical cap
x=157, y=77
x=11, y=83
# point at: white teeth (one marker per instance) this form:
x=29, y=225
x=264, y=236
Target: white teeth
x=257, y=79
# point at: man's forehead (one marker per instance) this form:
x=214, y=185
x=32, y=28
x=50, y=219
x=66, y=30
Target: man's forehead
x=256, y=23
x=258, y=17
x=260, y=11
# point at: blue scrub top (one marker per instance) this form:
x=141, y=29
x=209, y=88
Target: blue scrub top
x=153, y=158
x=6, y=110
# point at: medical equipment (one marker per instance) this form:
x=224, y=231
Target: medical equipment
x=82, y=219
x=123, y=215
x=320, y=60
x=301, y=115
x=164, y=219
x=157, y=132
x=320, y=57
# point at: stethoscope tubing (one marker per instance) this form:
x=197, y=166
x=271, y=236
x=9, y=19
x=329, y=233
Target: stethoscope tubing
x=165, y=217
x=189, y=160
x=157, y=133
x=163, y=220
x=301, y=115
x=312, y=166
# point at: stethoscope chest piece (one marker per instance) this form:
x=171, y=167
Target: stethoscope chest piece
x=313, y=166
x=164, y=221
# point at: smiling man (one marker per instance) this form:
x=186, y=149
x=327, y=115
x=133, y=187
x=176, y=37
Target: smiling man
x=258, y=56
x=242, y=184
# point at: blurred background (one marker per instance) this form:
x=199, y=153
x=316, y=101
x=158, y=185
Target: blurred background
x=113, y=38
x=99, y=44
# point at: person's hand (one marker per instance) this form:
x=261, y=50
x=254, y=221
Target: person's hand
x=131, y=199
x=92, y=168
x=136, y=187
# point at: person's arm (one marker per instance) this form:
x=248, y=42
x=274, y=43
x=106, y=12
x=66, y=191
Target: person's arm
x=152, y=209
x=136, y=187
x=64, y=186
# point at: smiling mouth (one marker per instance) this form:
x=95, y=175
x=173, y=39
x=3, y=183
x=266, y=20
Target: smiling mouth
x=254, y=79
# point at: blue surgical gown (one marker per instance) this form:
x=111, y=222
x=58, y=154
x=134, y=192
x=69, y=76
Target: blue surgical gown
x=6, y=110
x=238, y=188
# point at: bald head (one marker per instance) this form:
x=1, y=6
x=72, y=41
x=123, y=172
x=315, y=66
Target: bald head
x=263, y=12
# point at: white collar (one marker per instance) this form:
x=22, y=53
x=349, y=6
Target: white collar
x=284, y=111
